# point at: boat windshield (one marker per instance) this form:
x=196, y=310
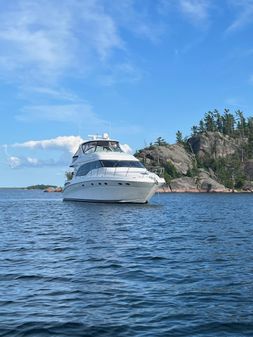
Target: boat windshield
x=101, y=146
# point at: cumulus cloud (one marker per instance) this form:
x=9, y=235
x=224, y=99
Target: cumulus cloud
x=64, y=143
x=21, y=161
x=67, y=145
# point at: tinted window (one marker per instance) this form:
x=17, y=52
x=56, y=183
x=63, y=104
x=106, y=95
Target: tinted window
x=121, y=163
x=101, y=146
x=86, y=168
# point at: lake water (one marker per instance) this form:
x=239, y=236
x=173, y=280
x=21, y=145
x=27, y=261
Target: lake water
x=181, y=265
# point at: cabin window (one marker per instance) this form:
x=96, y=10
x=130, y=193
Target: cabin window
x=101, y=146
x=121, y=163
x=86, y=168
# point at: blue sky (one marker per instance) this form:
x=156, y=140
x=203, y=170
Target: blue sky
x=138, y=69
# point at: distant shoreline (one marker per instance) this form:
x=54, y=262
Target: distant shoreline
x=161, y=190
x=51, y=188
x=167, y=190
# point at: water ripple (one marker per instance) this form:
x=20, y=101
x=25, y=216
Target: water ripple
x=180, y=266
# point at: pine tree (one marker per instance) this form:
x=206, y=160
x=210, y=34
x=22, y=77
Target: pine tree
x=179, y=137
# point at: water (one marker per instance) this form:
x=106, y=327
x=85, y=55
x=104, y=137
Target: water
x=179, y=266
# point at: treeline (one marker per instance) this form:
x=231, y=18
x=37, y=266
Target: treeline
x=39, y=187
x=227, y=123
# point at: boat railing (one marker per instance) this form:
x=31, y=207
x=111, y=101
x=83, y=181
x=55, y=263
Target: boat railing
x=105, y=171
x=159, y=170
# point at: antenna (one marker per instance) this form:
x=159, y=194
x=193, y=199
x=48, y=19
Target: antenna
x=94, y=137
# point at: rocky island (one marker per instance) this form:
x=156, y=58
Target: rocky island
x=217, y=157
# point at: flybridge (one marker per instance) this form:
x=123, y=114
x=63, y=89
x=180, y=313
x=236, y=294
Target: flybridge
x=96, y=144
x=95, y=137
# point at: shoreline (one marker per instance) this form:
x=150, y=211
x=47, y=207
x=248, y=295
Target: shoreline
x=168, y=190
x=160, y=190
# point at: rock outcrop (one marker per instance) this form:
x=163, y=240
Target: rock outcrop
x=161, y=155
x=206, y=163
x=247, y=186
x=248, y=169
x=53, y=189
x=200, y=183
x=213, y=145
x=207, y=184
x=183, y=184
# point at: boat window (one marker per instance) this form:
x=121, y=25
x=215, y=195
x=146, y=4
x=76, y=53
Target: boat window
x=89, y=147
x=86, y=168
x=114, y=146
x=74, y=158
x=101, y=146
x=121, y=163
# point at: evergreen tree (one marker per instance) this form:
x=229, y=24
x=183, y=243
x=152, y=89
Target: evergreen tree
x=194, y=130
x=160, y=142
x=228, y=123
x=179, y=137
x=209, y=121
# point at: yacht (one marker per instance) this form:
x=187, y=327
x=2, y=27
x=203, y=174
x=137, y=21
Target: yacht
x=102, y=172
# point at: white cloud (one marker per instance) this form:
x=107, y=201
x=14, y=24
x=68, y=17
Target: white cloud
x=244, y=11
x=81, y=115
x=124, y=72
x=43, y=40
x=52, y=93
x=126, y=148
x=41, y=37
x=68, y=145
x=62, y=113
x=21, y=161
x=14, y=161
x=196, y=10
x=139, y=20
x=64, y=143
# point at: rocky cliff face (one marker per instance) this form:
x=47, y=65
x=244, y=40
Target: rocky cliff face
x=162, y=155
x=213, y=145
x=248, y=169
x=184, y=175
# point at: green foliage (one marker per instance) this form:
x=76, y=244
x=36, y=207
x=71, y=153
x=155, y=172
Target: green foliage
x=170, y=171
x=179, y=137
x=228, y=170
x=226, y=123
x=160, y=142
x=167, y=177
x=69, y=175
x=40, y=187
x=193, y=172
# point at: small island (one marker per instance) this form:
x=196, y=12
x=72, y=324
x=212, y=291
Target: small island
x=45, y=188
x=216, y=157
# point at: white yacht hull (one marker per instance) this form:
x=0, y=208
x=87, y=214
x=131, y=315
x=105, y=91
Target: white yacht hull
x=111, y=191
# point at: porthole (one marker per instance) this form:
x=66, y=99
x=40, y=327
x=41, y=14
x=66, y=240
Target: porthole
x=106, y=184
x=92, y=184
x=99, y=183
x=127, y=184
x=120, y=183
